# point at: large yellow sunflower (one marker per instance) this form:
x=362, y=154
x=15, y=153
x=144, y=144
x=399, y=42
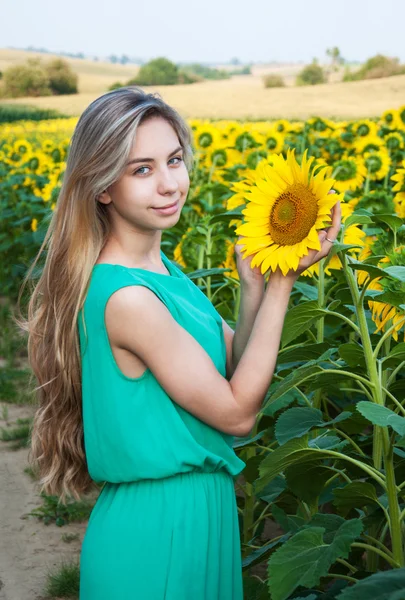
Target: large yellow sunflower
x=286, y=206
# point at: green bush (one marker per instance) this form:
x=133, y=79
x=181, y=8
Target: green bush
x=159, y=71
x=204, y=72
x=312, y=74
x=34, y=78
x=376, y=67
x=29, y=79
x=62, y=80
x=273, y=81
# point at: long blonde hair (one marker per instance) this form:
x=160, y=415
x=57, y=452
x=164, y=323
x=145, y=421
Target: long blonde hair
x=79, y=227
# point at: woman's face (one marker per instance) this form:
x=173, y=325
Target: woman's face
x=155, y=177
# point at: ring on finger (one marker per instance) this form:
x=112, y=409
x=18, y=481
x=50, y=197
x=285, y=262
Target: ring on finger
x=332, y=241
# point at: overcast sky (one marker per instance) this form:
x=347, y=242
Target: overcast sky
x=208, y=30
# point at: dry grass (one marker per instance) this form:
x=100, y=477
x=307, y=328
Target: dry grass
x=242, y=97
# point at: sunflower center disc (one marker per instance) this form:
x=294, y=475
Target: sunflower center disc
x=293, y=215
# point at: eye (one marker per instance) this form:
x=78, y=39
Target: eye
x=140, y=172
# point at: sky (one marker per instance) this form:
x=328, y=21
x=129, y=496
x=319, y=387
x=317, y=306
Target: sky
x=211, y=31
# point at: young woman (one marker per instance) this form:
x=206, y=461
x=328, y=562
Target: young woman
x=142, y=384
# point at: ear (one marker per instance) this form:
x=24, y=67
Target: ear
x=104, y=197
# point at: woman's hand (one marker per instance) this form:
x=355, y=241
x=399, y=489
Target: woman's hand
x=249, y=277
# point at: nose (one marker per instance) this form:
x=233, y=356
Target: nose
x=168, y=183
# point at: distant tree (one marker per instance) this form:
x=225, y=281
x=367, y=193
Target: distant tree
x=336, y=58
x=112, y=58
x=62, y=80
x=159, y=71
x=312, y=74
x=235, y=61
x=124, y=59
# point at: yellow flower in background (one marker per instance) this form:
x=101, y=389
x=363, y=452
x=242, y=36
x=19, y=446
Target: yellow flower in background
x=285, y=209
x=384, y=314
x=230, y=262
x=401, y=117
x=369, y=143
x=399, y=187
x=377, y=164
x=349, y=172
x=394, y=141
x=34, y=224
x=365, y=128
x=390, y=118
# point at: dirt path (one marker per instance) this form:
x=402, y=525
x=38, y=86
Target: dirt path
x=28, y=548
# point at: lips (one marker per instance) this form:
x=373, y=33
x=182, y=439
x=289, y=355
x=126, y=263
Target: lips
x=167, y=205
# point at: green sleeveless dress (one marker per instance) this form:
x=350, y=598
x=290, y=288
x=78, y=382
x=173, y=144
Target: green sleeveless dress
x=165, y=525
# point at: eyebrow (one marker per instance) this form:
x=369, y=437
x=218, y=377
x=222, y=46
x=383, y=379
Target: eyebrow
x=138, y=160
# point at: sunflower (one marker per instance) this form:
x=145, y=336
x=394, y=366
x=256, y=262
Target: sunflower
x=365, y=128
x=399, y=187
x=349, y=173
x=377, y=164
x=369, y=143
x=286, y=206
x=390, y=118
x=394, y=141
x=229, y=262
x=401, y=117
x=384, y=314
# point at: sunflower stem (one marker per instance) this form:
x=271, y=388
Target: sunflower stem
x=320, y=325
x=382, y=447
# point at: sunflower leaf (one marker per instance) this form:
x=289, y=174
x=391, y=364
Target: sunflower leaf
x=300, y=318
x=386, y=585
x=396, y=272
x=354, y=495
x=297, y=421
x=382, y=416
x=393, y=221
x=305, y=558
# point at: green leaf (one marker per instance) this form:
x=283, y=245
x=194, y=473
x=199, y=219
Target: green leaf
x=386, y=585
x=352, y=353
x=382, y=416
x=354, y=495
x=297, y=421
x=396, y=272
x=205, y=273
x=338, y=247
x=370, y=269
x=305, y=558
x=282, y=402
x=308, y=480
x=292, y=380
x=327, y=442
x=300, y=318
x=302, y=353
x=357, y=219
x=272, y=490
x=395, y=356
x=307, y=290
x=393, y=221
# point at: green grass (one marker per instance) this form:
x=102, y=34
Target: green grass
x=52, y=511
x=20, y=435
x=64, y=581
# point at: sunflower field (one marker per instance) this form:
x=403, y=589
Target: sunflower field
x=322, y=498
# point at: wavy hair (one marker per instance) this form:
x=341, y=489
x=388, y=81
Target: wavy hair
x=78, y=229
